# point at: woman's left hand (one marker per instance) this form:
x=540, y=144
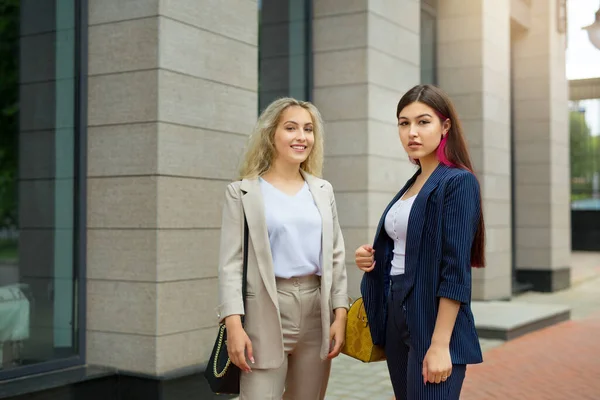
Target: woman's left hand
x=437, y=364
x=337, y=334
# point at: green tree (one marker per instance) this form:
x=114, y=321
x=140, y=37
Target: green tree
x=595, y=149
x=9, y=109
x=581, y=146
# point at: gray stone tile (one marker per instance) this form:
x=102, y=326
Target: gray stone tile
x=187, y=254
x=189, y=203
x=385, y=141
x=394, y=40
x=122, y=255
x=340, y=32
x=122, y=307
x=103, y=11
x=496, y=288
x=124, y=202
x=403, y=13
x=123, y=150
x=352, y=208
x=184, y=349
x=186, y=306
x=348, y=173
x=498, y=265
x=343, y=102
x=383, y=101
x=203, y=54
x=123, y=46
x=355, y=70
x=391, y=72
x=193, y=152
x=324, y=8
x=237, y=19
x=195, y=102
x=133, y=353
x=345, y=138
x=123, y=98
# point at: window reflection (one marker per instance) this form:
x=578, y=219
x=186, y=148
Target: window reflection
x=284, y=48
x=428, y=42
x=584, y=127
x=37, y=182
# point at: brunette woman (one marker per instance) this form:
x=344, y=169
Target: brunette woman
x=417, y=282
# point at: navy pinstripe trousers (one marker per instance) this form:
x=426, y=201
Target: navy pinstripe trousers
x=404, y=367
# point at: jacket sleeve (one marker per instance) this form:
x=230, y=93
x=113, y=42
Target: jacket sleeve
x=339, y=285
x=461, y=213
x=231, y=256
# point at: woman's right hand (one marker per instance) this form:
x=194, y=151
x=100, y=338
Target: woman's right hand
x=364, y=258
x=238, y=343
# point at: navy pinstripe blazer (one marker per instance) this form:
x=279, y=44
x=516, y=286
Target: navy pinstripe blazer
x=441, y=227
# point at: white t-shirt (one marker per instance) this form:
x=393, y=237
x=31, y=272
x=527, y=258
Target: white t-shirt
x=396, y=226
x=295, y=230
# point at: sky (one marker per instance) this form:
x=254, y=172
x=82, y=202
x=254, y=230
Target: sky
x=583, y=59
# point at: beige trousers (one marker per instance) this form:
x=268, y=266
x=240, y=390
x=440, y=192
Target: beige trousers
x=302, y=376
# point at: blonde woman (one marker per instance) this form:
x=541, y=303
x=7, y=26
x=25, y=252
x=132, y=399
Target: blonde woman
x=296, y=303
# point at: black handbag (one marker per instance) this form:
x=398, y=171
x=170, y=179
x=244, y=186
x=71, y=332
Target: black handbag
x=222, y=375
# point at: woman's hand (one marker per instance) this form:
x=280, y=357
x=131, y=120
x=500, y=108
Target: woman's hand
x=337, y=332
x=238, y=343
x=437, y=364
x=364, y=258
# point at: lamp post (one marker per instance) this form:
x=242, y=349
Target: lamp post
x=593, y=31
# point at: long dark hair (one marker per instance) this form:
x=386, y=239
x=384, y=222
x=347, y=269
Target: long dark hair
x=452, y=150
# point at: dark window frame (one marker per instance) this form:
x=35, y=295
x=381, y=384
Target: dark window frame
x=310, y=67
x=432, y=12
x=80, y=211
x=308, y=59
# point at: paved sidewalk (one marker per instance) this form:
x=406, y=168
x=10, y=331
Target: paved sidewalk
x=557, y=363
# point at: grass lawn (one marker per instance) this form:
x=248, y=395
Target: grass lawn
x=8, y=250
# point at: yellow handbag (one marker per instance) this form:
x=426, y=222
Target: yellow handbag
x=359, y=343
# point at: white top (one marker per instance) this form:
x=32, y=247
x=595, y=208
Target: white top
x=396, y=226
x=295, y=230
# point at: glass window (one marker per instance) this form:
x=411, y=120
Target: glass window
x=584, y=127
x=428, y=44
x=284, y=50
x=38, y=182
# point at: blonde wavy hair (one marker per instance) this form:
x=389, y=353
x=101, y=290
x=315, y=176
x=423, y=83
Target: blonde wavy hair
x=261, y=151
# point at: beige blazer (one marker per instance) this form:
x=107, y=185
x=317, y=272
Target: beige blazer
x=263, y=322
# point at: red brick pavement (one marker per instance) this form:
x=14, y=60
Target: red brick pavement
x=561, y=362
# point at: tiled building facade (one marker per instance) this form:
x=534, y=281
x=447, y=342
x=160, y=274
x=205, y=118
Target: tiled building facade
x=158, y=106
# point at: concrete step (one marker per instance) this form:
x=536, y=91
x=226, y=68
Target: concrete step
x=507, y=320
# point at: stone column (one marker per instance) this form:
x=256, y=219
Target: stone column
x=473, y=67
x=366, y=56
x=543, y=234
x=172, y=97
